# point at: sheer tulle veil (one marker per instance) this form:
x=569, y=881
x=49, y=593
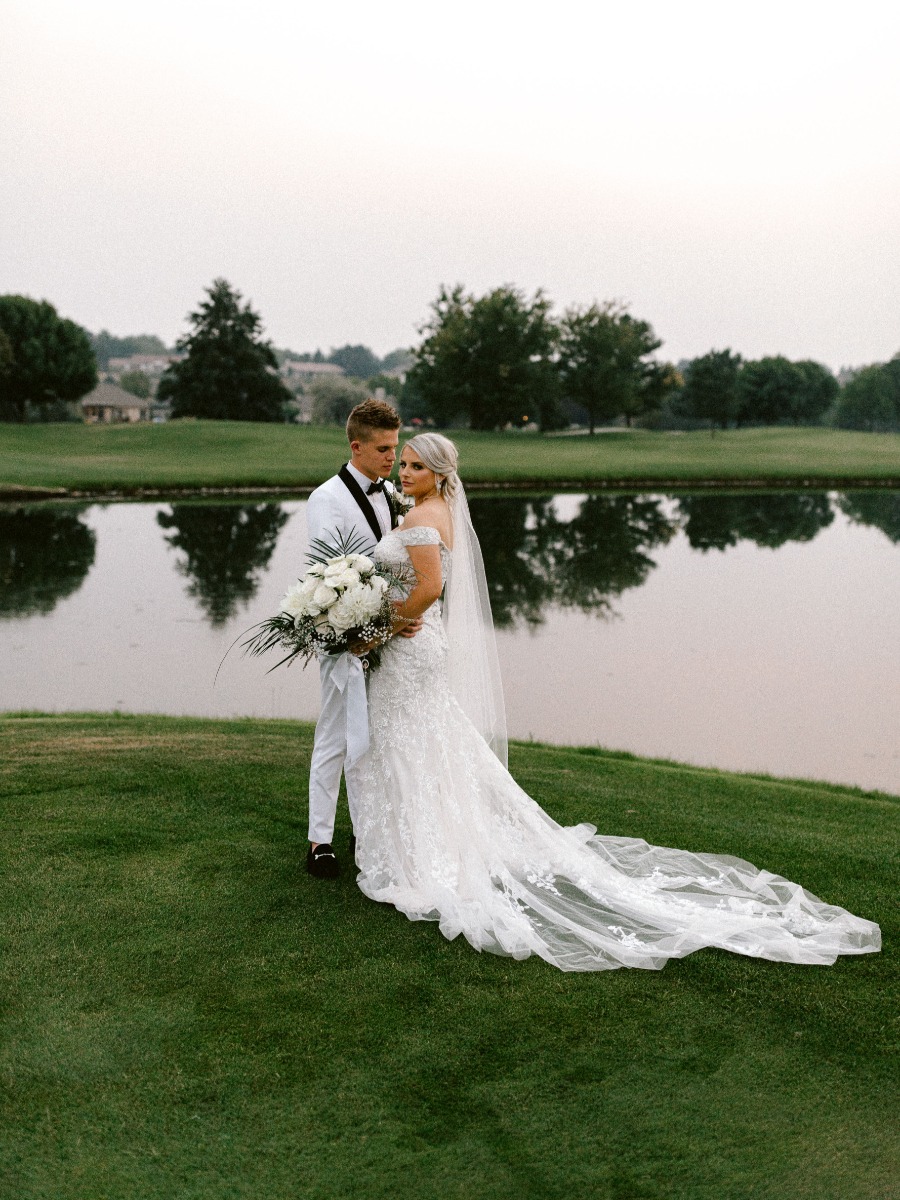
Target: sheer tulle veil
x=473, y=666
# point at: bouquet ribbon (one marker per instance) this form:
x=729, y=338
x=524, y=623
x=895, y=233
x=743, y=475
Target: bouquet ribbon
x=349, y=677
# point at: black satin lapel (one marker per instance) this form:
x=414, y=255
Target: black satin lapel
x=362, y=500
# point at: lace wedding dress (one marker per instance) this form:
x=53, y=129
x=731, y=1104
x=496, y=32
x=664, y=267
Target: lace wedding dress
x=444, y=833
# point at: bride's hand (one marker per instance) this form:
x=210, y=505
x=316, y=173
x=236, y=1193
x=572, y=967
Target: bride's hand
x=361, y=648
x=405, y=626
x=410, y=627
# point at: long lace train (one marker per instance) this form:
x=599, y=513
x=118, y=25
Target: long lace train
x=446, y=834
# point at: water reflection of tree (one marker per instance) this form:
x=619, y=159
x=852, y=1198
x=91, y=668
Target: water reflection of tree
x=533, y=559
x=45, y=555
x=603, y=551
x=225, y=548
x=511, y=532
x=880, y=509
x=716, y=521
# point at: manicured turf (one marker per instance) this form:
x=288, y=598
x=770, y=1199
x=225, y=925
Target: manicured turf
x=187, y=1015
x=228, y=454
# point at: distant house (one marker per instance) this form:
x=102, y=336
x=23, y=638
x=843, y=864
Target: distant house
x=150, y=364
x=306, y=371
x=108, y=404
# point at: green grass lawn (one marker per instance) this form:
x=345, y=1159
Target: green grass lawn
x=231, y=454
x=188, y=1016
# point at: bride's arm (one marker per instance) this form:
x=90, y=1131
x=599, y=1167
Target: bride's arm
x=426, y=561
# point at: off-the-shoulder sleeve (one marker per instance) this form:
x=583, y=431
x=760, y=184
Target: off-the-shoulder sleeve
x=419, y=535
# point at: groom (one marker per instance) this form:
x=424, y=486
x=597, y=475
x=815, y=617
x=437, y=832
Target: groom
x=355, y=501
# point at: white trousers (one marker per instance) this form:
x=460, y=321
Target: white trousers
x=329, y=753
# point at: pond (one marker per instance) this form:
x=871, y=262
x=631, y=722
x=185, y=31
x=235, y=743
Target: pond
x=754, y=632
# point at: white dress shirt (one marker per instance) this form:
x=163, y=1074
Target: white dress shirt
x=378, y=500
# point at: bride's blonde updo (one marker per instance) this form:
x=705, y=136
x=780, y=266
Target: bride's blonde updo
x=440, y=455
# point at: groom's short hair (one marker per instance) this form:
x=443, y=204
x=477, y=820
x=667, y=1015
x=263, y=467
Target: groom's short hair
x=370, y=416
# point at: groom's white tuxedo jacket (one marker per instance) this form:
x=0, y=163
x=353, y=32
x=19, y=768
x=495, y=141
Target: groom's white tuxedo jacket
x=333, y=508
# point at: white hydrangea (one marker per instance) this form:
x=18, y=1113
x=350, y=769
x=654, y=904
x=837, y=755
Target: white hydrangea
x=295, y=600
x=355, y=607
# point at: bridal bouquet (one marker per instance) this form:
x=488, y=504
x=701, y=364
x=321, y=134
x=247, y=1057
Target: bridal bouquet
x=341, y=602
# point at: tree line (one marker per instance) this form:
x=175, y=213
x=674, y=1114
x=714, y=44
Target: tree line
x=500, y=360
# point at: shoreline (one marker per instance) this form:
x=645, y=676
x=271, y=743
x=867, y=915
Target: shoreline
x=12, y=493
x=121, y=719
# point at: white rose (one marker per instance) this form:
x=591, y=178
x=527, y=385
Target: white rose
x=317, y=571
x=307, y=588
x=336, y=566
x=323, y=596
x=347, y=578
x=361, y=562
x=377, y=584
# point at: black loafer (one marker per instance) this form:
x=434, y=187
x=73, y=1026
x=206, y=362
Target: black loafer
x=352, y=845
x=322, y=862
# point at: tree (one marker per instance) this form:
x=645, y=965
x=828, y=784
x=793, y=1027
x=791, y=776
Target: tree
x=605, y=365
x=136, y=382
x=510, y=532
x=228, y=373
x=6, y=360
x=715, y=522
x=767, y=390
x=533, y=559
x=391, y=384
x=817, y=395
x=879, y=509
x=45, y=555
x=871, y=400
x=358, y=361
x=106, y=346
x=488, y=360
x=398, y=360
x=226, y=548
x=48, y=360
x=604, y=550
x=711, y=387
x=774, y=390
x=332, y=399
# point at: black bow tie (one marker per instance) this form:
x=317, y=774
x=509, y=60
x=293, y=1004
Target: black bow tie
x=375, y=487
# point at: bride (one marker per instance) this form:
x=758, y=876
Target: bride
x=444, y=833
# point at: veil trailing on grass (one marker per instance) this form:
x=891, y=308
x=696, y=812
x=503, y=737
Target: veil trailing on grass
x=474, y=669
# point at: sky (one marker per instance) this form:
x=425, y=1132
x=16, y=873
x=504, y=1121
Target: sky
x=731, y=171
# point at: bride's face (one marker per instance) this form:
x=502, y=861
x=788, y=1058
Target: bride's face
x=415, y=478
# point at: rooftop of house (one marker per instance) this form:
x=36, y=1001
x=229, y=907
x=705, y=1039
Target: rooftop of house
x=110, y=395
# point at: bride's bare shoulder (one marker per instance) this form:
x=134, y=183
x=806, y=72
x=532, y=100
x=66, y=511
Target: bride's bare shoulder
x=433, y=513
